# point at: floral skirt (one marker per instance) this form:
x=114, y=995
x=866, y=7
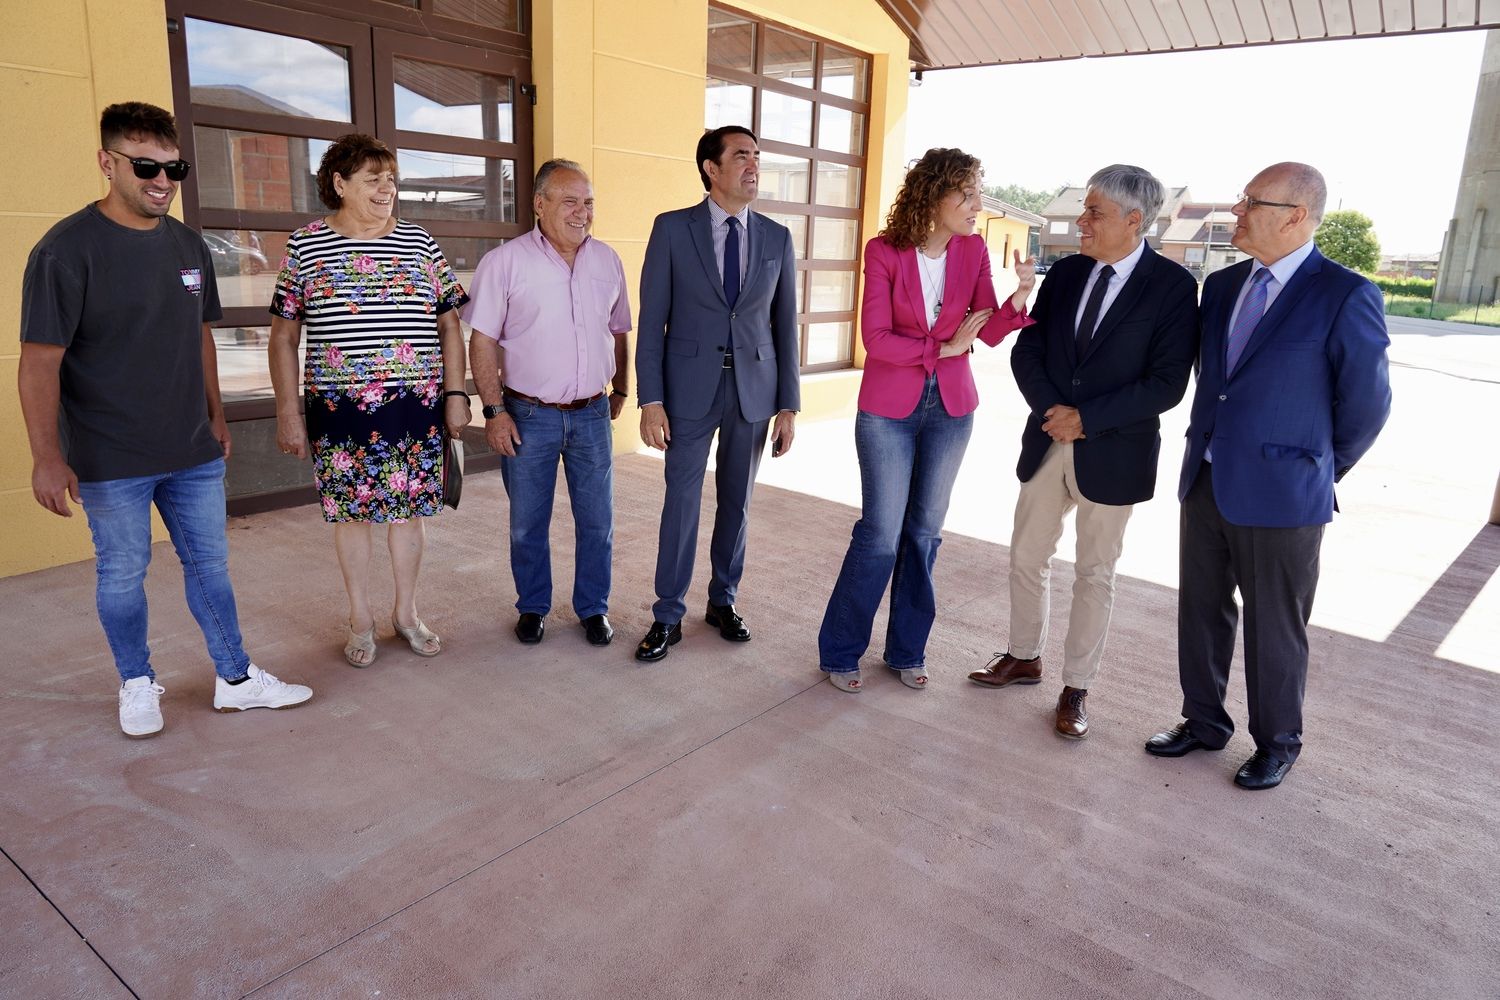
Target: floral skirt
x=378, y=465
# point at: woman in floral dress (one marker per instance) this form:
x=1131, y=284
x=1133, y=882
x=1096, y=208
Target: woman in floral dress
x=384, y=374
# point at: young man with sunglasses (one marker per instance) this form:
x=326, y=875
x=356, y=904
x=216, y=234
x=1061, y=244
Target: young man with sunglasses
x=119, y=387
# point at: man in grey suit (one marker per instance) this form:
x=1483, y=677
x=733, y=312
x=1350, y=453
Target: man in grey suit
x=717, y=353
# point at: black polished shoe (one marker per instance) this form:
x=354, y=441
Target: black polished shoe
x=596, y=628
x=1176, y=742
x=1261, y=771
x=661, y=636
x=530, y=628
x=730, y=625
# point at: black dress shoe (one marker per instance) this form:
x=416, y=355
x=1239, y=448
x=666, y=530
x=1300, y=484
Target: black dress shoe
x=730, y=625
x=530, y=628
x=596, y=629
x=661, y=635
x=1176, y=742
x=1262, y=771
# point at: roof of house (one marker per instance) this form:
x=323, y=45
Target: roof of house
x=995, y=206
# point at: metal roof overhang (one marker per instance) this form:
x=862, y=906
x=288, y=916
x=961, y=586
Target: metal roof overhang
x=948, y=34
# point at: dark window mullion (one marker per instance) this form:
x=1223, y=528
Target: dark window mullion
x=731, y=75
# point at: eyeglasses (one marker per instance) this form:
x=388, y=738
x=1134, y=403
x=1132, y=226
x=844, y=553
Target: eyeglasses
x=146, y=169
x=1244, y=199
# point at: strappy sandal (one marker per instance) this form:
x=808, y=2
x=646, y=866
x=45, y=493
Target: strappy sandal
x=847, y=681
x=360, y=642
x=418, y=637
x=912, y=677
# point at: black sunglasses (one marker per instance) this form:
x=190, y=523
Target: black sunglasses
x=146, y=169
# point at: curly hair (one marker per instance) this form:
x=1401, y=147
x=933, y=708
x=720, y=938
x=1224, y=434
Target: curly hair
x=928, y=181
x=348, y=155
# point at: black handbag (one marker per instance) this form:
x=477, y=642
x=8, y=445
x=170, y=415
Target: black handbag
x=453, y=471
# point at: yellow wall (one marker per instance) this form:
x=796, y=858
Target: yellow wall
x=60, y=64
x=1003, y=234
x=620, y=90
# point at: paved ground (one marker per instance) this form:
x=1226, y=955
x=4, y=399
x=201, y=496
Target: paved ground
x=559, y=822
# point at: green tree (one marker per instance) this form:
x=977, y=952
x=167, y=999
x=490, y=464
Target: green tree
x=1349, y=238
x=1014, y=194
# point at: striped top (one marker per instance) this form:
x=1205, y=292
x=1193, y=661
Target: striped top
x=370, y=309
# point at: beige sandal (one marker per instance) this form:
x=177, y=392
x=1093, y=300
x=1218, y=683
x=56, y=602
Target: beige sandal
x=912, y=677
x=847, y=680
x=360, y=642
x=418, y=637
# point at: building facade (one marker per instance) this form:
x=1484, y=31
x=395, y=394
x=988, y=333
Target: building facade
x=472, y=94
x=1470, y=269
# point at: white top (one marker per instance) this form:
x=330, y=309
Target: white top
x=934, y=274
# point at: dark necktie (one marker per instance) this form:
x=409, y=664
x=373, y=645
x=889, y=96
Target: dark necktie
x=1091, y=310
x=1251, y=311
x=732, y=262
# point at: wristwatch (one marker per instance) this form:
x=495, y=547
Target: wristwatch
x=492, y=410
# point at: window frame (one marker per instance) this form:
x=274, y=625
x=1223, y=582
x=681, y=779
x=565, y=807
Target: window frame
x=759, y=82
x=371, y=32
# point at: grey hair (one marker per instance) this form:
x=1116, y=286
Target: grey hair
x=1132, y=188
x=546, y=170
x=1304, y=186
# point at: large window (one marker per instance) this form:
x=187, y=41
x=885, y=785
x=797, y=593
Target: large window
x=262, y=89
x=808, y=101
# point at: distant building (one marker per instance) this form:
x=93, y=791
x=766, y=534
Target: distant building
x=1470, y=269
x=1198, y=238
x=1059, y=235
x=1005, y=228
x=1414, y=265
x=1193, y=233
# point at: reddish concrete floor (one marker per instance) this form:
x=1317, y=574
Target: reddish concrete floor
x=557, y=821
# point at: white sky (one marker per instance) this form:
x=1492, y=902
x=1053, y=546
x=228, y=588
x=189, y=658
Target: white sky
x=1384, y=119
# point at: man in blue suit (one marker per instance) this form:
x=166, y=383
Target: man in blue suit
x=1293, y=387
x=718, y=353
x=1113, y=344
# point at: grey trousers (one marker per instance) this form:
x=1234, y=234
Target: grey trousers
x=1276, y=573
x=736, y=461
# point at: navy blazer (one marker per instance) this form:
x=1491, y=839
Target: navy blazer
x=686, y=323
x=1307, y=399
x=1136, y=368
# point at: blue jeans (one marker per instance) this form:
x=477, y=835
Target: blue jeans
x=906, y=470
x=581, y=438
x=191, y=502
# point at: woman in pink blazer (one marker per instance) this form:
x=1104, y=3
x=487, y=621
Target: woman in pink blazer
x=928, y=296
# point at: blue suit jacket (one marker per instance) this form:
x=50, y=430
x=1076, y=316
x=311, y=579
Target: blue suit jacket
x=1307, y=399
x=1135, y=369
x=686, y=324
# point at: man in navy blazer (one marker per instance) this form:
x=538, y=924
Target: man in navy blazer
x=1115, y=334
x=1293, y=387
x=718, y=353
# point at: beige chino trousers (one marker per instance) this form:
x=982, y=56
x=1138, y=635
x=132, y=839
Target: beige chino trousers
x=1044, y=501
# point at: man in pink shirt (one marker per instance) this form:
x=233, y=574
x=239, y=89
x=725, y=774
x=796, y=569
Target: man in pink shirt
x=549, y=313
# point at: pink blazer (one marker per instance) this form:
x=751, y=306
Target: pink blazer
x=900, y=351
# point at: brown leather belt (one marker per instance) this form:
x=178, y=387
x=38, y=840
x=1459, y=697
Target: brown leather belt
x=576, y=404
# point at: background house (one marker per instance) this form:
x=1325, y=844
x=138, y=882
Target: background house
x=1059, y=235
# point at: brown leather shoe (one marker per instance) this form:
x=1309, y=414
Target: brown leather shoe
x=1006, y=669
x=1072, y=717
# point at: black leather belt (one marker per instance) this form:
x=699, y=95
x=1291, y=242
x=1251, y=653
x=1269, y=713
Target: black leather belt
x=576, y=404
x=729, y=359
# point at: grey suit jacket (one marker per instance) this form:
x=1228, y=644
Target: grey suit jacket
x=686, y=324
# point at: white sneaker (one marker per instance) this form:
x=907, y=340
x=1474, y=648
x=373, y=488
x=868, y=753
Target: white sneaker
x=262, y=690
x=140, y=708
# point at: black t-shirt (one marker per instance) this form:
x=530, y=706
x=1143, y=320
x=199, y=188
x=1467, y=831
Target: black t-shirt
x=128, y=306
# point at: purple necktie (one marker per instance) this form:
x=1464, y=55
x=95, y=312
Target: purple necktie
x=1253, y=308
x=732, y=262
